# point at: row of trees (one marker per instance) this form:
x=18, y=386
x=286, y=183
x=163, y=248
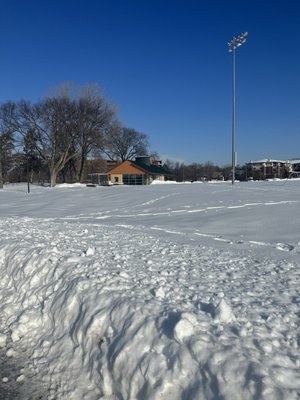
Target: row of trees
x=203, y=171
x=61, y=131
x=56, y=136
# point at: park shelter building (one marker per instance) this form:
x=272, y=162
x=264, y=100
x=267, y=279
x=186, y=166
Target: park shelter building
x=142, y=171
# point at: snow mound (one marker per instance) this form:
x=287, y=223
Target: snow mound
x=115, y=326
x=134, y=296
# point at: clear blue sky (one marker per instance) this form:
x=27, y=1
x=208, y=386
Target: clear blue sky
x=166, y=65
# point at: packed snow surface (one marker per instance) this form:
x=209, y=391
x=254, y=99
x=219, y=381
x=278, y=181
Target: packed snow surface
x=164, y=292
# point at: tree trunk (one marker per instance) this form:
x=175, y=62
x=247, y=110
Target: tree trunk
x=53, y=176
x=82, y=161
x=1, y=177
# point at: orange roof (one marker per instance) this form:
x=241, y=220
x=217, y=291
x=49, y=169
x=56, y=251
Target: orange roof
x=127, y=167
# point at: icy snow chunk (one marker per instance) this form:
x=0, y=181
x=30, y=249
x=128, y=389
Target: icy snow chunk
x=284, y=247
x=5, y=379
x=109, y=332
x=15, y=337
x=90, y=251
x=20, y=378
x=124, y=275
x=223, y=312
x=2, y=340
x=159, y=292
x=243, y=332
x=266, y=346
x=10, y=353
x=55, y=249
x=185, y=327
x=19, y=331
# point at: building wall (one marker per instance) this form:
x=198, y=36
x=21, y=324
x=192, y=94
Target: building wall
x=116, y=179
x=159, y=178
x=267, y=170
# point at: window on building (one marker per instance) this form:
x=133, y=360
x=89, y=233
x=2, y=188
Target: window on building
x=269, y=172
x=133, y=179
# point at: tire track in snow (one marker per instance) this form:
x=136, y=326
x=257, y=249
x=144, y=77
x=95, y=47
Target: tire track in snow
x=128, y=212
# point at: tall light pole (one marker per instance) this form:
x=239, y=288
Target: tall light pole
x=235, y=42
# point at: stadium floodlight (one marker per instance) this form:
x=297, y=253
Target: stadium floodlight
x=233, y=44
x=237, y=41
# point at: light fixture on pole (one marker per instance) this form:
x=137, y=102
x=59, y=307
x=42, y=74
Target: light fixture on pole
x=235, y=42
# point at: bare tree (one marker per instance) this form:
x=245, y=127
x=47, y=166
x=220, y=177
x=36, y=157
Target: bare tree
x=53, y=132
x=124, y=143
x=61, y=128
x=94, y=118
x=6, y=145
x=49, y=127
x=32, y=162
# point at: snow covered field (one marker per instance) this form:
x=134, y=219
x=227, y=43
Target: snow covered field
x=168, y=291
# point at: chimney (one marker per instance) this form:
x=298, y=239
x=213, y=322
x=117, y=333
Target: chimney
x=143, y=159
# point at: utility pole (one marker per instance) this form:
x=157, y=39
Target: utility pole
x=235, y=42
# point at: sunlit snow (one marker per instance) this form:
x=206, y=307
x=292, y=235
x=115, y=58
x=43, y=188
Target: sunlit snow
x=164, y=292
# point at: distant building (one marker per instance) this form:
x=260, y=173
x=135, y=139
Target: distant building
x=272, y=169
x=294, y=168
x=142, y=171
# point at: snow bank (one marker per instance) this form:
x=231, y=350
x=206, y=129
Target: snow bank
x=159, y=182
x=123, y=315
x=69, y=185
x=109, y=308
